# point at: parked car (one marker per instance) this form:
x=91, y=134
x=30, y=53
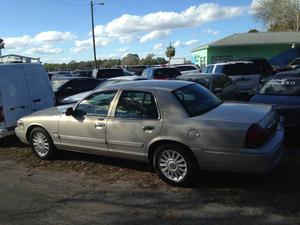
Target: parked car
x=245, y=74
x=296, y=68
x=283, y=92
x=294, y=63
x=136, y=70
x=187, y=68
x=104, y=74
x=78, y=97
x=24, y=88
x=161, y=73
x=67, y=86
x=219, y=84
x=176, y=125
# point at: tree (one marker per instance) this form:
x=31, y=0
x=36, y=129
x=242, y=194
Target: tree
x=253, y=31
x=131, y=60
x=148, y=60
x=278, y=15
x=170, y=52
x=2, y=44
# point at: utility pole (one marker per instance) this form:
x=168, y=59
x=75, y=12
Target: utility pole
x=93, y=31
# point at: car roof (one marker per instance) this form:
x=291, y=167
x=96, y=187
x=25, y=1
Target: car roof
x=72, y=78
x=201, y=75
x=166, y=85
x=129, y=78
x=232, y=62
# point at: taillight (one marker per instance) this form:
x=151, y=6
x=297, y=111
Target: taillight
x=2, y=119
x=255, y=137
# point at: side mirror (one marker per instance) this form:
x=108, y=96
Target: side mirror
x=69, y=111
x=217, y=90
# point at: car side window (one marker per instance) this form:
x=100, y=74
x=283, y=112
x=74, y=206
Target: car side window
x=136, y=104
x=96, y=104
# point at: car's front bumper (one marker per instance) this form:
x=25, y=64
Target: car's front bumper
x=260, y=160
x=21, y=134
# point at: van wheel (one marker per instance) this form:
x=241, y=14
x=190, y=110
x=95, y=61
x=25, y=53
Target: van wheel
x=41, y=143
x=174, y=165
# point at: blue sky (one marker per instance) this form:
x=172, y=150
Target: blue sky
x=60, y=30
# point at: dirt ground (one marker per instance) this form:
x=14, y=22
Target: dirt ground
x=84, y=189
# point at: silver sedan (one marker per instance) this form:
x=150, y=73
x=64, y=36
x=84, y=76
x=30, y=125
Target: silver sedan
x=178, y=126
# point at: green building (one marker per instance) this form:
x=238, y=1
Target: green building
x=278, y=47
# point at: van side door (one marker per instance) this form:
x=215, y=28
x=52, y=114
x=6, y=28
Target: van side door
x=14, y=94
x=39, y=87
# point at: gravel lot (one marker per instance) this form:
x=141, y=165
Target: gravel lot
x=84, y=189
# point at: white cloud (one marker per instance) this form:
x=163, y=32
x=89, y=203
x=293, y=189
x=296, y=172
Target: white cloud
x=183, y=44
x=121, y=49
x=154, y=35
x=211, y=32
x=45, y=49
x=177, y=44
x=158, y=21
x=84, y=45
x=127, y=28
x=54, y=36
x=158, y=46
x=191, y=42
x=17, y=42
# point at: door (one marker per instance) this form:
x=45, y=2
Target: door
x=223, y=87
x=39, y=85
x=85, y=129
x=14, y=94
x=135, y=123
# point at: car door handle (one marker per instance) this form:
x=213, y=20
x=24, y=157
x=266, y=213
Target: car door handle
x=148, y=128
x=99, y=125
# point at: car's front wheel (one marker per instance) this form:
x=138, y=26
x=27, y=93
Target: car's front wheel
x=41, y=143
x=174, y=164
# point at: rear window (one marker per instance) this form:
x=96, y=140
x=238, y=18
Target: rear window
x=202, y=81
x=196, y=99
x=185, y=68
x=240, y=69
x=284, y=86
x=138, y=70
x=56, y=84
x=166, y=73
x=109, y=73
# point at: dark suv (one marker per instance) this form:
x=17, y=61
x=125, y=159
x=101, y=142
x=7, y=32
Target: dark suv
x=161, y=73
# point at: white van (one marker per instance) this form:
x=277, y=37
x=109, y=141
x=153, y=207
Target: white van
x=24, y=88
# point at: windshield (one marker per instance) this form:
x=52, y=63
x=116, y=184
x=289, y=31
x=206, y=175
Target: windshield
x=281, y=86
x=56, y=84
x=196, y=99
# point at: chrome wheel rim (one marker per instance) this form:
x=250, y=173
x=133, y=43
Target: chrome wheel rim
x=172, y=165
x=40, y=144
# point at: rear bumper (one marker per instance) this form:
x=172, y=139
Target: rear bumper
x=6, y=132
x=262, y=160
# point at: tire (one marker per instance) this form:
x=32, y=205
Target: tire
x=41, y=143
x=174, y=165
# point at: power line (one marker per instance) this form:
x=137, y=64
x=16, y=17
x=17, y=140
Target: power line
x=68, y=4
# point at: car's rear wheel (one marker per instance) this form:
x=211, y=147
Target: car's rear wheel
x=174, y=164
x=41, y=143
